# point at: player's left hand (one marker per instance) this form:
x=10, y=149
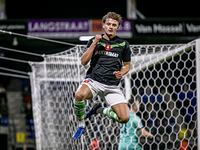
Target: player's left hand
x=118, y=74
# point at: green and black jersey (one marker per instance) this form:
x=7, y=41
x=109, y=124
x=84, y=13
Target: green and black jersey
x=108, y=57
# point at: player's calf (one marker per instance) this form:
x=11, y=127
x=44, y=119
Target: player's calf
x=122, y=112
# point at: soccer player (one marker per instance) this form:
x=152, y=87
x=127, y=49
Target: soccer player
x=109, y=58
x=132, y=129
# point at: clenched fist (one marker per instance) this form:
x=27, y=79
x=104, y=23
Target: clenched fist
x=97, y=38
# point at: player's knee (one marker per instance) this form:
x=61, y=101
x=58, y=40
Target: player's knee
x=124, y=119
x=79, y=96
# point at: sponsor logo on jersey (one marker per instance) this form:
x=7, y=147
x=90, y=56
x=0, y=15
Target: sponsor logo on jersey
x=107, y=53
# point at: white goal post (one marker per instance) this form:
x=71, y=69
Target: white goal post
x=165, y=78
x=198, y=85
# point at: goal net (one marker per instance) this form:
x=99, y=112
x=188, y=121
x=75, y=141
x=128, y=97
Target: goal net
x=162, y=77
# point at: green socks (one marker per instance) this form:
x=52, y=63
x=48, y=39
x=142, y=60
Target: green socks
x=80, y=112
x=109, y=113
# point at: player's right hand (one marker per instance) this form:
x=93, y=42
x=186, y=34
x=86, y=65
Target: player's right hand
x=97, y=38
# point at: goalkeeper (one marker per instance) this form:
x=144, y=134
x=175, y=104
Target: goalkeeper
x=132, y=129
x=109, y=58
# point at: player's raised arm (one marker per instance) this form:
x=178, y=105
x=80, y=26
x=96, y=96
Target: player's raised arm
x=88, y=54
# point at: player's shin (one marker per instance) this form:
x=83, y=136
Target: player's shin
x=80, y=112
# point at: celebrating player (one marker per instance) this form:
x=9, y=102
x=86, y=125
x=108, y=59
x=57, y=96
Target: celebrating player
x=109, y=58
x=132, y=129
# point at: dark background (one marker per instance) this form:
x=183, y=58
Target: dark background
x=21, y=9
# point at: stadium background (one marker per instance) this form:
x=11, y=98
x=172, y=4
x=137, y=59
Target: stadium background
x=182, y=16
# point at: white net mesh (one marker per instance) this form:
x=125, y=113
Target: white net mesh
x=163, y=77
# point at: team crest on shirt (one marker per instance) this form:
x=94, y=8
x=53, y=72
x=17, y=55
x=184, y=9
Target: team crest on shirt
x=107, y=47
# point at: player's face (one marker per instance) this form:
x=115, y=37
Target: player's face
x=111, y=26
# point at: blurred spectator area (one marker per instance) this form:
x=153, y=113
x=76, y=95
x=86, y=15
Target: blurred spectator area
x=3, y=106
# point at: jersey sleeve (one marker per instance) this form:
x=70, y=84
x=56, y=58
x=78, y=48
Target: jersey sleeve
x=127, y=53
